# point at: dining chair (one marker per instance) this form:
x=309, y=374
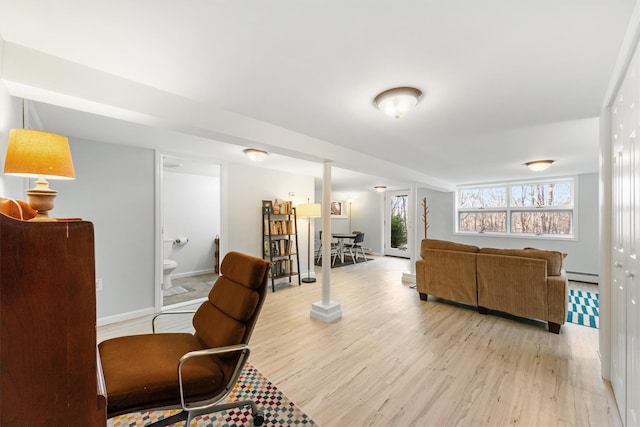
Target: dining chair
x=357, y=246
x=333, y=252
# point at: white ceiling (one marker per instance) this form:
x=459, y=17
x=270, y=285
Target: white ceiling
x=505, y=81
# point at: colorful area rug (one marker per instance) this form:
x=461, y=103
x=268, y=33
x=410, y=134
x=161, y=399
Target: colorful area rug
x=278, y=410
x=584, y=308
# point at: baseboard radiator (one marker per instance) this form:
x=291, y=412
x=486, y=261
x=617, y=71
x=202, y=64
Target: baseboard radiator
x=583, y=277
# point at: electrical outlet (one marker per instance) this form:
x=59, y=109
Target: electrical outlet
x=99, y=284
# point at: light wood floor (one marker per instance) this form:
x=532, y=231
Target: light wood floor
x=393, y=360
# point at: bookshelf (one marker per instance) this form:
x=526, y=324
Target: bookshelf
x=280, y=240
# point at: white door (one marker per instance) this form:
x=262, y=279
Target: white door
x=625, y=317
x=618, y=290
x=632, y=175
x=397, y=224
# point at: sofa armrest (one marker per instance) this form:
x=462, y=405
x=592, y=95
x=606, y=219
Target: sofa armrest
x=558, y=297
x=450, y=275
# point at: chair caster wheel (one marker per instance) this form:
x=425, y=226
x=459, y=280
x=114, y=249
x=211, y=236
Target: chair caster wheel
x=258, y=418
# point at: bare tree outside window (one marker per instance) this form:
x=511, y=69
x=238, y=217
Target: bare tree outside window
x=541, y=208
x=483, y=221
x=399, y=221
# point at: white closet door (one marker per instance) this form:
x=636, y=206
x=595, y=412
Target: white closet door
x=625, y=327
x=632, y=270
x=618, y=294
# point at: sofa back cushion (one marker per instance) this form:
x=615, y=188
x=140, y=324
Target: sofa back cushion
x=553, y=258
x=445, y=245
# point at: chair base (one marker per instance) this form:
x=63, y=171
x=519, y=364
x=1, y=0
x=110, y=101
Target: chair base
x=188, y=416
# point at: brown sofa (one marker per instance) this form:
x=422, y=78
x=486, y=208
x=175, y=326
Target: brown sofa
x=523, y=282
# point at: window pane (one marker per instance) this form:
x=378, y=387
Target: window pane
x=543, y=194
x=495, y=197
x=483, y=221
x=545, y=222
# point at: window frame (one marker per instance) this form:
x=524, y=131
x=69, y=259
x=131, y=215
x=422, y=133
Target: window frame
x=509, y=209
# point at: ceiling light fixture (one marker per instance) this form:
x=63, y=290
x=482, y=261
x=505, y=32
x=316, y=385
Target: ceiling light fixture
x=380, y=188
x=539, y=165
x=397, y=101
x=255, y=154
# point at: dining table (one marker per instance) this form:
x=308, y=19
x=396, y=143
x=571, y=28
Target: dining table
x=341, y=237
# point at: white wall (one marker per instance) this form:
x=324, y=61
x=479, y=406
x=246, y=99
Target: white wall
x=244, y=188
x=114, y=189
x=192, y=209
x=10, y=118
x=582, y=254
x=366, y=212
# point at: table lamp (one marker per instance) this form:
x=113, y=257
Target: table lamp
x=40, y=155
x=308, y=210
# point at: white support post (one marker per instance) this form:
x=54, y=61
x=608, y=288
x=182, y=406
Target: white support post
x=326, y=310
x=412, y=234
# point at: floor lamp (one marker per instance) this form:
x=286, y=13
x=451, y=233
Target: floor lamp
x=308, y=210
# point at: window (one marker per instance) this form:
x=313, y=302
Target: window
x=544, y=208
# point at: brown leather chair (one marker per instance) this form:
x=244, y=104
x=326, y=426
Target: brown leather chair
x=196, y=371
x=17, y=209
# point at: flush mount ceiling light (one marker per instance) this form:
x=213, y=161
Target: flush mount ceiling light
x=380, y=188
x=397, y=101
x=255, y=154
x=539, y=165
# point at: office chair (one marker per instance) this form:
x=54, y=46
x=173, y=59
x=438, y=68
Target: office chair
x=196, y=371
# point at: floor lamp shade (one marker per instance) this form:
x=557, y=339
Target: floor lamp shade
x=41, y=155
x=308, y=210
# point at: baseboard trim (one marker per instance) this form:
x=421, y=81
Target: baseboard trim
x=125, y=316
x=583, y=277
x=192, y=273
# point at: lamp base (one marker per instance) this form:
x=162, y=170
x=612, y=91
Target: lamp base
x=41, y=200
x=308, y=279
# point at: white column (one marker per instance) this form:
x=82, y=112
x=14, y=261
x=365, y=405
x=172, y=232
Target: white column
x=325, y=309
x=412, y=234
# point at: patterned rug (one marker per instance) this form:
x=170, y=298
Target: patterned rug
x=584, y=308
x=278, y=410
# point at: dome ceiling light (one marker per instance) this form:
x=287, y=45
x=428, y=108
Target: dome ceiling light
x=398, y=101
x=380, y=188
x=255, y=154
x=539, y=165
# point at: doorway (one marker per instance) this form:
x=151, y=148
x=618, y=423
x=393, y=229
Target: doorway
x=397, y=220
x=191, y=225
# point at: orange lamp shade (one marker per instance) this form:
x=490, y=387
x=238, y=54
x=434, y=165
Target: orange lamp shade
x=34, y=153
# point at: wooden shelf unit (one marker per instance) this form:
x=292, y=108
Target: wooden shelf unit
x=280, y=242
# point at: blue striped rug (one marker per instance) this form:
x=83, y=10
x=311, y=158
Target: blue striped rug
x=584, y=308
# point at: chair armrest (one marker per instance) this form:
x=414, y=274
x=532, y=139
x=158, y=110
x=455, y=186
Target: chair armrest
x=243, y=348
x=153, y=321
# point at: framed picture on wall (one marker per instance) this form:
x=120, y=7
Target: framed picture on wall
x=267, y=206
x=339, y=209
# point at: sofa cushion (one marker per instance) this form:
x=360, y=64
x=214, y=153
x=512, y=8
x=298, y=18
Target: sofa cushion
x=445, y=246
x=553, y=258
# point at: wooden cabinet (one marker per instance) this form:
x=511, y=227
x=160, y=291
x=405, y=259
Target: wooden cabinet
x=280, y=241
x=48, y=355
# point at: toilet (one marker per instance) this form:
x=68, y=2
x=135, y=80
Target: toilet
x=168, y=265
